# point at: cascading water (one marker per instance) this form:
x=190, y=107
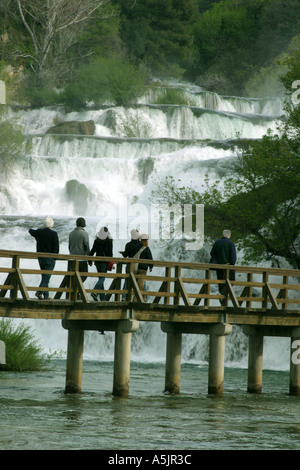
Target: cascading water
x=66, y=176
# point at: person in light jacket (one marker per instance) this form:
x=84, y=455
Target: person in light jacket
x=79, y=245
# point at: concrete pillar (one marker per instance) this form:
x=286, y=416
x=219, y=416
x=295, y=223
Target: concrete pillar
x=216, y=364
x=74, y=361
x=295, y=367
x=255, y=362
x=216, y=358
x=173, y=363
x=122, y=363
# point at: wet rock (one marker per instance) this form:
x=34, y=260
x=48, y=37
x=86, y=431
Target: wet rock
x=73, y=127
x=78, y=194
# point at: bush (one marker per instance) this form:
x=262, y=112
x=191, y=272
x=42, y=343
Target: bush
x=173, y=96
x=114, y=80
x=23, y=352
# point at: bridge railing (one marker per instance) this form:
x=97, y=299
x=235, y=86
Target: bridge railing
x=170, y=283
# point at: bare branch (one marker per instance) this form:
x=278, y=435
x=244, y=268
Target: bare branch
x=45, y=21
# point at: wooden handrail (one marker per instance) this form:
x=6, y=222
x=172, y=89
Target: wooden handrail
x=189, y=284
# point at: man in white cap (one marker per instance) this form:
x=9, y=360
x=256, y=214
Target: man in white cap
x=132, y=247
x=46, y=242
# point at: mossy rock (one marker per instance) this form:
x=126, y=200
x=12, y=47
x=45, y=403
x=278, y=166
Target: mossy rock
x=74, y=127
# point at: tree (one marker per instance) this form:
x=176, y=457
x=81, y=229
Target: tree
x=53, y=26
x=224, y=40
x=114, y=79
x=258, y=199
x=159, y=33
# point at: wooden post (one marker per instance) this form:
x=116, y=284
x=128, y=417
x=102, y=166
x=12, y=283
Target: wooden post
x=122, y=363
x=295, y=367
x=255, y=360
x=74, y=361
x=173, y=363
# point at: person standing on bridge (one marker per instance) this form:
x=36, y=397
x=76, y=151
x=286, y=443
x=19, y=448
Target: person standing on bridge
x=224, y=252
x=46, y=242
x=79, y=245
x=102, y=246
x=143, y=266
x=131, y=249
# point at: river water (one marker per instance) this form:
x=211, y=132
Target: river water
x=101, y=177
x=35, y=413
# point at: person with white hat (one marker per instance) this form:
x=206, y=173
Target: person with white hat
x=102, y=246
x=46, y=242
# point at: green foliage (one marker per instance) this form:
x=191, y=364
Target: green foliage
x=114, y=79
x=12, y=144
x=230, y=46
x=173, y=96
x=23, y=352
x=35, y=94
x=292, y=62
x=224, y=38
x=132, y=125
x=235, y=39
x=159, y=33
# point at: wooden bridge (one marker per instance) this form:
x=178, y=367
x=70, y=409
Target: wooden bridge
x=183, y=297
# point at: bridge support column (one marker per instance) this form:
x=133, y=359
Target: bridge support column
x=295, y=365
x=122, y=363
x=123, y=337
x=123, y=331
x=173, y=363
x=255, y=359
x=216, y=358
x=74, y=361
x=217, y=332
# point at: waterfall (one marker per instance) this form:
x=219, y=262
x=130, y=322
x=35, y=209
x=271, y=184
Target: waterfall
x=66, y=176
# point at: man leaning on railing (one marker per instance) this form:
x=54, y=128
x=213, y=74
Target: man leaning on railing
x=46, y=242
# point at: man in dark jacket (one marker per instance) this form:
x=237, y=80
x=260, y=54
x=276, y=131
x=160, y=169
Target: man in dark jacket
x=131, y=248
x=46, y=242
x=224, y=252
